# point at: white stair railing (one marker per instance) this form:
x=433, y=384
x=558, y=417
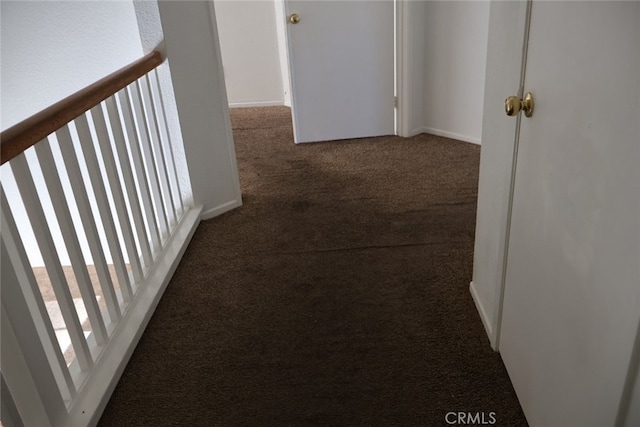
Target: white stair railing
x=96, y=176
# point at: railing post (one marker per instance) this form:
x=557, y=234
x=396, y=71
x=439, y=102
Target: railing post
x=19, y=381
x=25, y=365
x=193, y=52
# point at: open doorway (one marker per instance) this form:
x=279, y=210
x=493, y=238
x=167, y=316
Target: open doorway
x=337, y=74
x=252, y=43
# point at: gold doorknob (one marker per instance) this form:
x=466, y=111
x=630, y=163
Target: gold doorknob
x=294, y=18
x=513, y=105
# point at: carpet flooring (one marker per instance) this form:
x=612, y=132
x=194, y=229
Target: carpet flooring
x=337, y=295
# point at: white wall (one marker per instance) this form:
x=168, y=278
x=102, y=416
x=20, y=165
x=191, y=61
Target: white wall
x=49, y=51
x=250, y=52
x=454, y=68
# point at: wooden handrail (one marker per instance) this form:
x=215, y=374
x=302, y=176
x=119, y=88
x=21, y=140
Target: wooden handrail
x=28, y=132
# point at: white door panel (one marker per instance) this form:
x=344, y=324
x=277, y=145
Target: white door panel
x=572, y=294
x=341, y=60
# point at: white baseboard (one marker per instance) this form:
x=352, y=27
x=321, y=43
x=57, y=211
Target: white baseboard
x=103, y=378
x=256, y=104
x=452, y=135
x=416, y=131
x=486, y=321
x=219, y=210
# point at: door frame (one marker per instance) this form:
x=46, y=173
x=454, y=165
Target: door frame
x=403, y=93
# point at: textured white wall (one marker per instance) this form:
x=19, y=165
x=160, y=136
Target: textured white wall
x=250, y=55
x=455, y=58
x=49, y=51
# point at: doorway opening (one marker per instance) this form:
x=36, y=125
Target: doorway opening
x=335, y=89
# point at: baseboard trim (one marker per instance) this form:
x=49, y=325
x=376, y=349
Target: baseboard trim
x=219, y=210
x=416, y=131
x=486, y=321
x=96, y=391
x=256, y=104
x=452, y=135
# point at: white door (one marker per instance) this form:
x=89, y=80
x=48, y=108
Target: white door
x=572, y=292
x=341, y=62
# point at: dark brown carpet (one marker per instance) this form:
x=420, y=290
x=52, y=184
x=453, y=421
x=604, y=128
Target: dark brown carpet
x=336, y=296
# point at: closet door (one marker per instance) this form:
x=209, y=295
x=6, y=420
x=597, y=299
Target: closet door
x=572, y=291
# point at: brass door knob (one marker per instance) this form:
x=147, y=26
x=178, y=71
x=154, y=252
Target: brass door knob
x=513, y=105
x=294, y=18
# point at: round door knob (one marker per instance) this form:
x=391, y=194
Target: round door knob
x=513, y=105
x=294, y=18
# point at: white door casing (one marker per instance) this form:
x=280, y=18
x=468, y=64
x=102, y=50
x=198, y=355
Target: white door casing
x=341, y=62
x=572, y=298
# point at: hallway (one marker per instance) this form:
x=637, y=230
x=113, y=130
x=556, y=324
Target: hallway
x=336, y=295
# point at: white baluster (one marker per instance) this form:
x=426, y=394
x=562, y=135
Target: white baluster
x=166, y=139
x=159, y=156
x=88, y=222
x=116, y=190
x=152, y=171
x=138, y=166
x=129, y=183
x=70, y=237
x=50, y=256
x=100, y=192
x=19, y=262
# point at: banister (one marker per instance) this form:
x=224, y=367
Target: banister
x=28, y=132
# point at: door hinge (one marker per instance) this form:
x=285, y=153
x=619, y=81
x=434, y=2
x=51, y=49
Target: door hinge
x=395, y=101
